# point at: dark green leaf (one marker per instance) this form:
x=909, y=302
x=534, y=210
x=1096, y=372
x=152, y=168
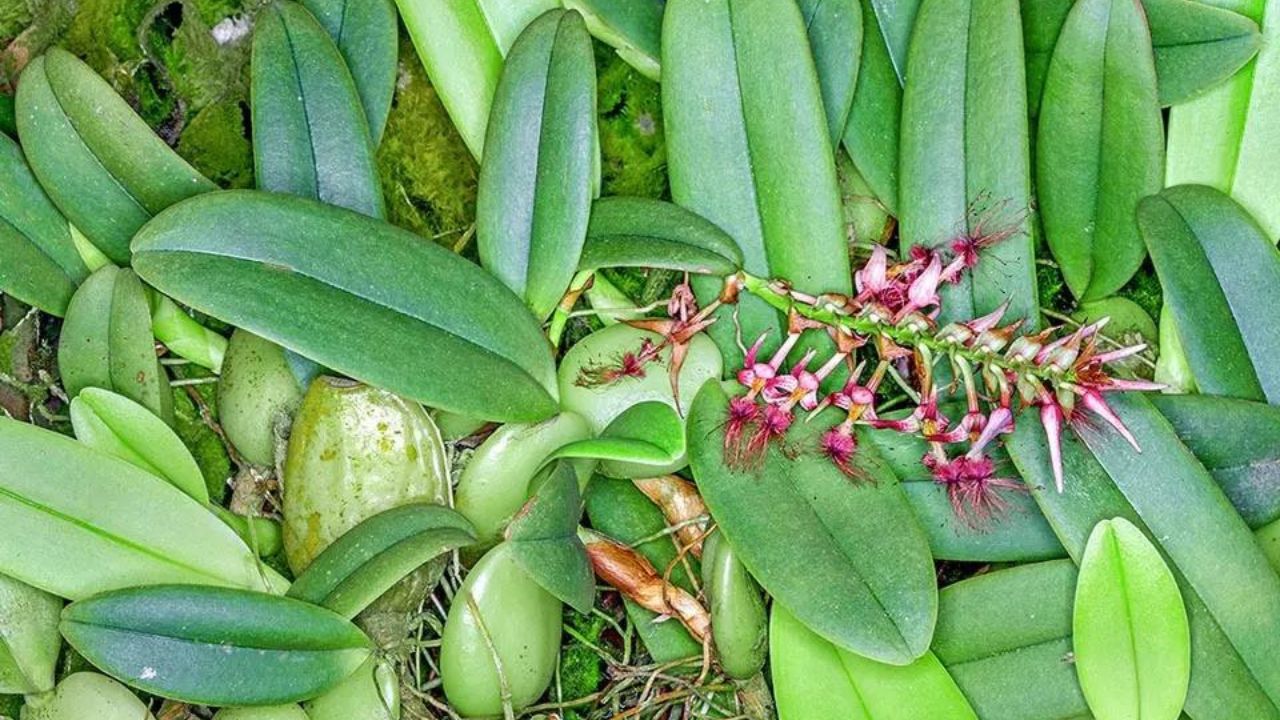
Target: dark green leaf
x=310, y=136
x=215, y=646
x=632, y=27
x=372, y=557
x=41, y=265
x=544, y=539
x=1221, y=278
x=764, y=176
x=1018, y=534
x=1101, y=144
x=848, y=559
x=100, y=163
x=1197, y=46
x=1041, y=22
x=541, y=155
x=965, y=162
x=357, y=295
x=639, y=232
x=366, y=34
x=871, y=135
x=835, y=38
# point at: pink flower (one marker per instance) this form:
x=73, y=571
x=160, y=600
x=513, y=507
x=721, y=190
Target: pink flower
x=839, y=445
x=972, y=486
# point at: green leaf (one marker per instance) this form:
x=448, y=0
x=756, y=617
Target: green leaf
x=640, y=232
x=897, y=18
x=966, y=162
x=1234, y=671
x=647, y=439
x=215, y=646
x=41, y=266
x=373, y=556
x=1227, y=138
x=536, y=182
x=29, y=641
x=1101, y=144
x=815, y=680
x=871, y=135
x=1197, y=46
x=618, y=509
x=1238, y=442
x=1005, y=637
x=835, y=39
x=848, y=559
x=366, y=34
x=739, y=621
x=1018, y=534
x=86, y=694
x=632, y=27
x=106, y=342
x=100, y=163
x=544, y=541
x=310, y=136
x=1221, y=277
x=1041, y=22
x=765, y=177
x=462, y=45
x=1129, y=627
x=357, y=295
x=79, y=522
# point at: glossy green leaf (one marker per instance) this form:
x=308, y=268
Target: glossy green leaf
x=106, y=342
x=640, y=232
x=1221, y=277
x=1005, y=637
x=1238, y=441
x=373, y=556
x=1228, y=137
x=645, y=440
x=815, y=680
x=739, y=621
x=534, y=196
x=618, y=509
x=765, y=177
x=897, y=18
x=215, y=646
x=370, y=693
x=632, y=27
x=966, y=163
x=462, y=45
x=29, y=641
x=310, y=135
x=872, y=133
x=100, y=163
x=1018, y=534
x=79, y=522
x=409, y=316
x=1041, y=22
x=366, y=34
x=1209, y=548
x=854, y=566
x=1197, y=46
x=835, y=39
x=1101, y=144
x=41, y=266
x=544, y=539
x=1129, y=627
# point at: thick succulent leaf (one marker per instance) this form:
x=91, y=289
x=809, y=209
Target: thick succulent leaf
x=79, y=522
x=534, y=196
x=871, y=135
x=1005, y=632
x=310, y=134
x=1229, y=137
x=632, y=27
x=357, y=295
x=1197, y=46
x=1101, y=144
x=1041, y=22
x=835, y=39
x=854, y=566
x=462, y=45
x=897, y=19
x=29, y=641
x=766, y=177
x=100, y=163
x=966, y=164
x=1129, y=628
x=372, y=557
x=106, y=342
x=366, y=34
x=1238, y=441
x=1214, y=556
x=215, y=646
x=1018, y=534
x=739, y=620
x=641, y=442
x=544, y=541
x=41, y=265
x=815, y=680
x=1221, y=277
x=640, y=232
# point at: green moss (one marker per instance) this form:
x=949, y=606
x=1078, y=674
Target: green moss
x=15, y=16
x=428, y=176
x=104, y=34
x=632, y=144
x=216, y=142
x=205, y=445
x=10, y=706
x=581, y=669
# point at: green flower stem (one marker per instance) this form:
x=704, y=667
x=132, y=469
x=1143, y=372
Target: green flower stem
x=184, y=336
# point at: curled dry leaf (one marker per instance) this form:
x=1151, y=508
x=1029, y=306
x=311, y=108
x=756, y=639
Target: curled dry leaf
x=681, y=505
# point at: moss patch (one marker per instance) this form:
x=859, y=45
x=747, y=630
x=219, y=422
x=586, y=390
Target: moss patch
x=216, y=142
x=632, y=145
